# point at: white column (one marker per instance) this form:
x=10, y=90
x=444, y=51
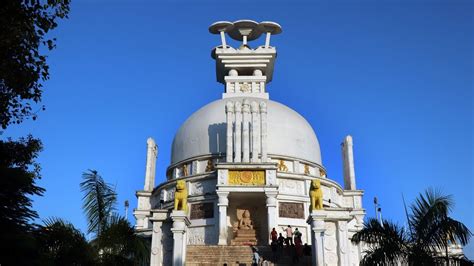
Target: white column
x=180, y=224
x=348, y=163
x=238, y=132
x=343, y=240
x=159, y=216
x=263, y=130
x=271, y=209
x=267, y=40
x=316, y=220
x=222, y=204
x=230, y=135
x=152, y=153
x=255, y=132
x=224, y=44
x=245, y=131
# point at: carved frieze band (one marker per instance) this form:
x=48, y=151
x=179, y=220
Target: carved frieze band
x=246, y=177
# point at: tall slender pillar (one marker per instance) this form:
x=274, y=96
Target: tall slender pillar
x=348, y=164
x=255, y=132
x=263, y=130
x=271, y=209
x=157, y=219
x=180, y=224
x=316, y=220
x=152, y=153
x=245, y=131
x=230, y=135
x=222, y=204
x=238, y=132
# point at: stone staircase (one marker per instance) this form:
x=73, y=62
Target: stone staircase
x=238, y=256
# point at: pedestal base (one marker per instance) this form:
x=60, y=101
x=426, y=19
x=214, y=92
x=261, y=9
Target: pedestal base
x=245, y=237
x=180, y=225
x=316, y=220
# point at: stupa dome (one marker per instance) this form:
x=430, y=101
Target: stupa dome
x=204, y=133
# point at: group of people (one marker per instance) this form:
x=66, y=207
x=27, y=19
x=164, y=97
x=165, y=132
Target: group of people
x=292, y=241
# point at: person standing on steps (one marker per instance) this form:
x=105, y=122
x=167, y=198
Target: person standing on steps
x=255, y=257
x=274, y=235
x=281, y=241
x=289, y=236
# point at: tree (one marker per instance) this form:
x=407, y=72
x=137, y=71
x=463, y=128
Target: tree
x=24, y=25
x=431, y=231
x=115, y=239
x=98, y=201
x=18, y=174
x=60, y=243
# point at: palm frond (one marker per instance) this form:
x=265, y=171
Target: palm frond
x=119, y=242
x=386, y=242
x=60, y=243
x=98, y=201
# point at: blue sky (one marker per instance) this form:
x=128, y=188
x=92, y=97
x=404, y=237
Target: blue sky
x=396, y=75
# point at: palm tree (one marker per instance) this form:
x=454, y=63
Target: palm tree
x=60, y=243
x=430, y=231
x=115, y=239
x=98, y=201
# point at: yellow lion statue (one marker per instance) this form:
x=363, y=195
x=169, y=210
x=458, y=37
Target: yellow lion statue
x=181, y=196
x=316, y=194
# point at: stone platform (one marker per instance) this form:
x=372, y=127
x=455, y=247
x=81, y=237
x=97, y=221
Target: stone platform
x=245, y=237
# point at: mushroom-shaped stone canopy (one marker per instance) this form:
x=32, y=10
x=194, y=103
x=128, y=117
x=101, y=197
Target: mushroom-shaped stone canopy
x=271, y=27
x=243, y=28
x=220, y=26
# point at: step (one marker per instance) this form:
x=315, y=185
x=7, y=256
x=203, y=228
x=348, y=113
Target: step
x=200, y=255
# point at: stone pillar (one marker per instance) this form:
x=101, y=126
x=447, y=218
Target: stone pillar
x=343, y=240
x=157, y=219
x=245, y=131
x=230, y=135
x=316, y=220
x=348, y=164
x=263, y=130
x=152, y=153
x=222, y=204
x=180, y=224
x=238, y=132
x=255, y=132
x=272, y=215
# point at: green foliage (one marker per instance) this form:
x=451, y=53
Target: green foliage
x=18, y=174
x=120, y=244
x=115, y=239
x=60, y=243
x=98, y=202
x=24, y=25
x=431, y=231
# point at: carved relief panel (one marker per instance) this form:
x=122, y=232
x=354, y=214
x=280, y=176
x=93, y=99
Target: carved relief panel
x=202, y=210
x=201, y=235
x=202, y=187
x=293, y=187
x=291, y=210
x=330, y=244
x=247, y=178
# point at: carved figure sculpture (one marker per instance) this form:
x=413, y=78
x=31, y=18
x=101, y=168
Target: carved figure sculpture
x=322, y=173
x=185, y=170
x=209, y=166
x=282, y=167
x=316, y=194
x=245, y=222
x=181, y=196
x=306, y=169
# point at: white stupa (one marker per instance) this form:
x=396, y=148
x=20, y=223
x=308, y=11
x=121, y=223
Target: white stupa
x=246, y=155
